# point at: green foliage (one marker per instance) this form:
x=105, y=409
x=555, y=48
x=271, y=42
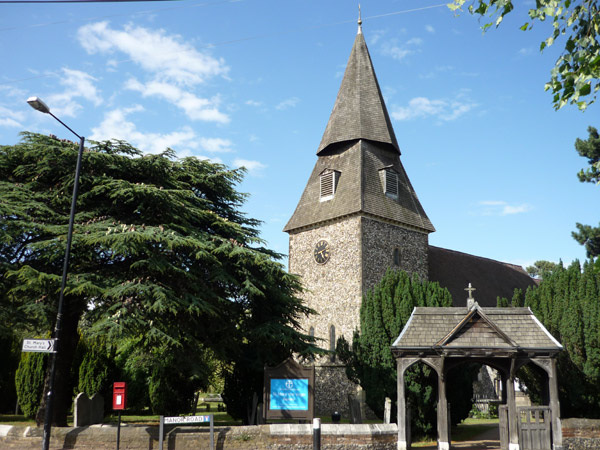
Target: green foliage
x=161, y=252
x=587, y=235
x=576, y=73
x=171, y=391
x=384, y=311
x=97, y=370
x=566, y=302
x=541, y=268
x=29, y=381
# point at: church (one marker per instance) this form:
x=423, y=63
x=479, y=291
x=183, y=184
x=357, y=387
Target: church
x=358, y=216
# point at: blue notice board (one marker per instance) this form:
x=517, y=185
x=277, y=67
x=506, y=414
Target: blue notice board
x=289, y=394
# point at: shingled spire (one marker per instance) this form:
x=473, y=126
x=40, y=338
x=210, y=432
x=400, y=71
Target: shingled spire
x=359, y=111
x=360, y=153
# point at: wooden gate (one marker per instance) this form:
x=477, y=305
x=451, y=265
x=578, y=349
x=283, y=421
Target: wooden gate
x=534, y=426
x=503, y=426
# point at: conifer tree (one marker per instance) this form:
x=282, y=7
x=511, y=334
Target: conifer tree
x=161, y=253
x=567, y=303
x=587, y=235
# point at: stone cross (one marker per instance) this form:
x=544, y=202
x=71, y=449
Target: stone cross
x=470, y=290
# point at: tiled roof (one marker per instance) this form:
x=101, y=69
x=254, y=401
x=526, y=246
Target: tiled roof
x=359, y=111
x=359, y=189
x=455, y=270
x=483, y=328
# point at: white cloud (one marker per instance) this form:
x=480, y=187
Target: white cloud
x=442, y=109
x=254, y=167
x=502, y=208
x=195, y=108
x=525, y=51
x=77, y=84
x=215, y=145
x=401, y=51
x=429, y=29
x=116, y=126
x=253, y=103
x=167, y=56
x=375, y=36
x=10, y=118
x=436, y=71
x=210, y=158
x=288, y=103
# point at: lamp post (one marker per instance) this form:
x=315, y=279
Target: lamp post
x=39, y=105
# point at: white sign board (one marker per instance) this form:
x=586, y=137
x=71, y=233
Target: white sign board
x=38, y=345
x=187, y=419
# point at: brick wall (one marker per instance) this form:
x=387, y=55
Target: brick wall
x=581, y=434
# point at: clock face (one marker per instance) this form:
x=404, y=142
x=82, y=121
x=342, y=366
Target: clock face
x=322, y=252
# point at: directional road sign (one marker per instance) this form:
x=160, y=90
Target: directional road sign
x=38, y=345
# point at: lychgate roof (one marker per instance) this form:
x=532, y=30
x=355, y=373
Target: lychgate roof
x=457, y=331
x=359, y=111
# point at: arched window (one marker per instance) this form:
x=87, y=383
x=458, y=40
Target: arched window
x=311, y=331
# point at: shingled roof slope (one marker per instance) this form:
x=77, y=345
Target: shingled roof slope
x=427, y=327
x=359, y=189
x=455, y=270
x=359, y=111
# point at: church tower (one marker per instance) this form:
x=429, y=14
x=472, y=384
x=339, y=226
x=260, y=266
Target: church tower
x=359, y=214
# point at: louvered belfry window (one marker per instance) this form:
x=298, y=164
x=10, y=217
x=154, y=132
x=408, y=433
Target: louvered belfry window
x=391, y=183
x=328, y=184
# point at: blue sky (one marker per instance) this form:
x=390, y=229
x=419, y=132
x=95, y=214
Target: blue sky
x=252, y=82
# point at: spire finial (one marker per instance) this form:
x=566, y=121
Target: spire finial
x=359, y=21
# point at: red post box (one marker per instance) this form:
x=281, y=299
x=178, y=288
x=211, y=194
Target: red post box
x=119, y=395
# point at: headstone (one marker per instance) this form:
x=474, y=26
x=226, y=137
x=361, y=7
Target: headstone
x=88, y=411
x=387, y=410
x=97, y=410
x=355, y=413
x=260, y=420
x=82, y=410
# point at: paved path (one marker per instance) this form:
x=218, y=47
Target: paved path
x=487, y=440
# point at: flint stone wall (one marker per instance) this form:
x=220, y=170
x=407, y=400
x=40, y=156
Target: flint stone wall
x=261, y=437
x=379, y=239
x=333, y=289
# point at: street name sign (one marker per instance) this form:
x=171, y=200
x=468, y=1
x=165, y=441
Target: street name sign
x=186, y=419
x=38, y=345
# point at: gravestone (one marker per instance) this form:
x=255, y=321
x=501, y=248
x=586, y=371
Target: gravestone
x=88, y=411
x=387, y=410
x=355, y=409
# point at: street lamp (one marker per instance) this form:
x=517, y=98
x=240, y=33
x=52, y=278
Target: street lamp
x=39, y=105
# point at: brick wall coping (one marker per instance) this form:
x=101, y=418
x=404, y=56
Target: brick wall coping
x=581, y=424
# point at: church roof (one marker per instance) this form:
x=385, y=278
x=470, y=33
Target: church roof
x=360, y=189
x=455, y=270
x=456, y=330
x=359, y=111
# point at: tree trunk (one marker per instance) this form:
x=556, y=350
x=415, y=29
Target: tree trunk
x=64, y=379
